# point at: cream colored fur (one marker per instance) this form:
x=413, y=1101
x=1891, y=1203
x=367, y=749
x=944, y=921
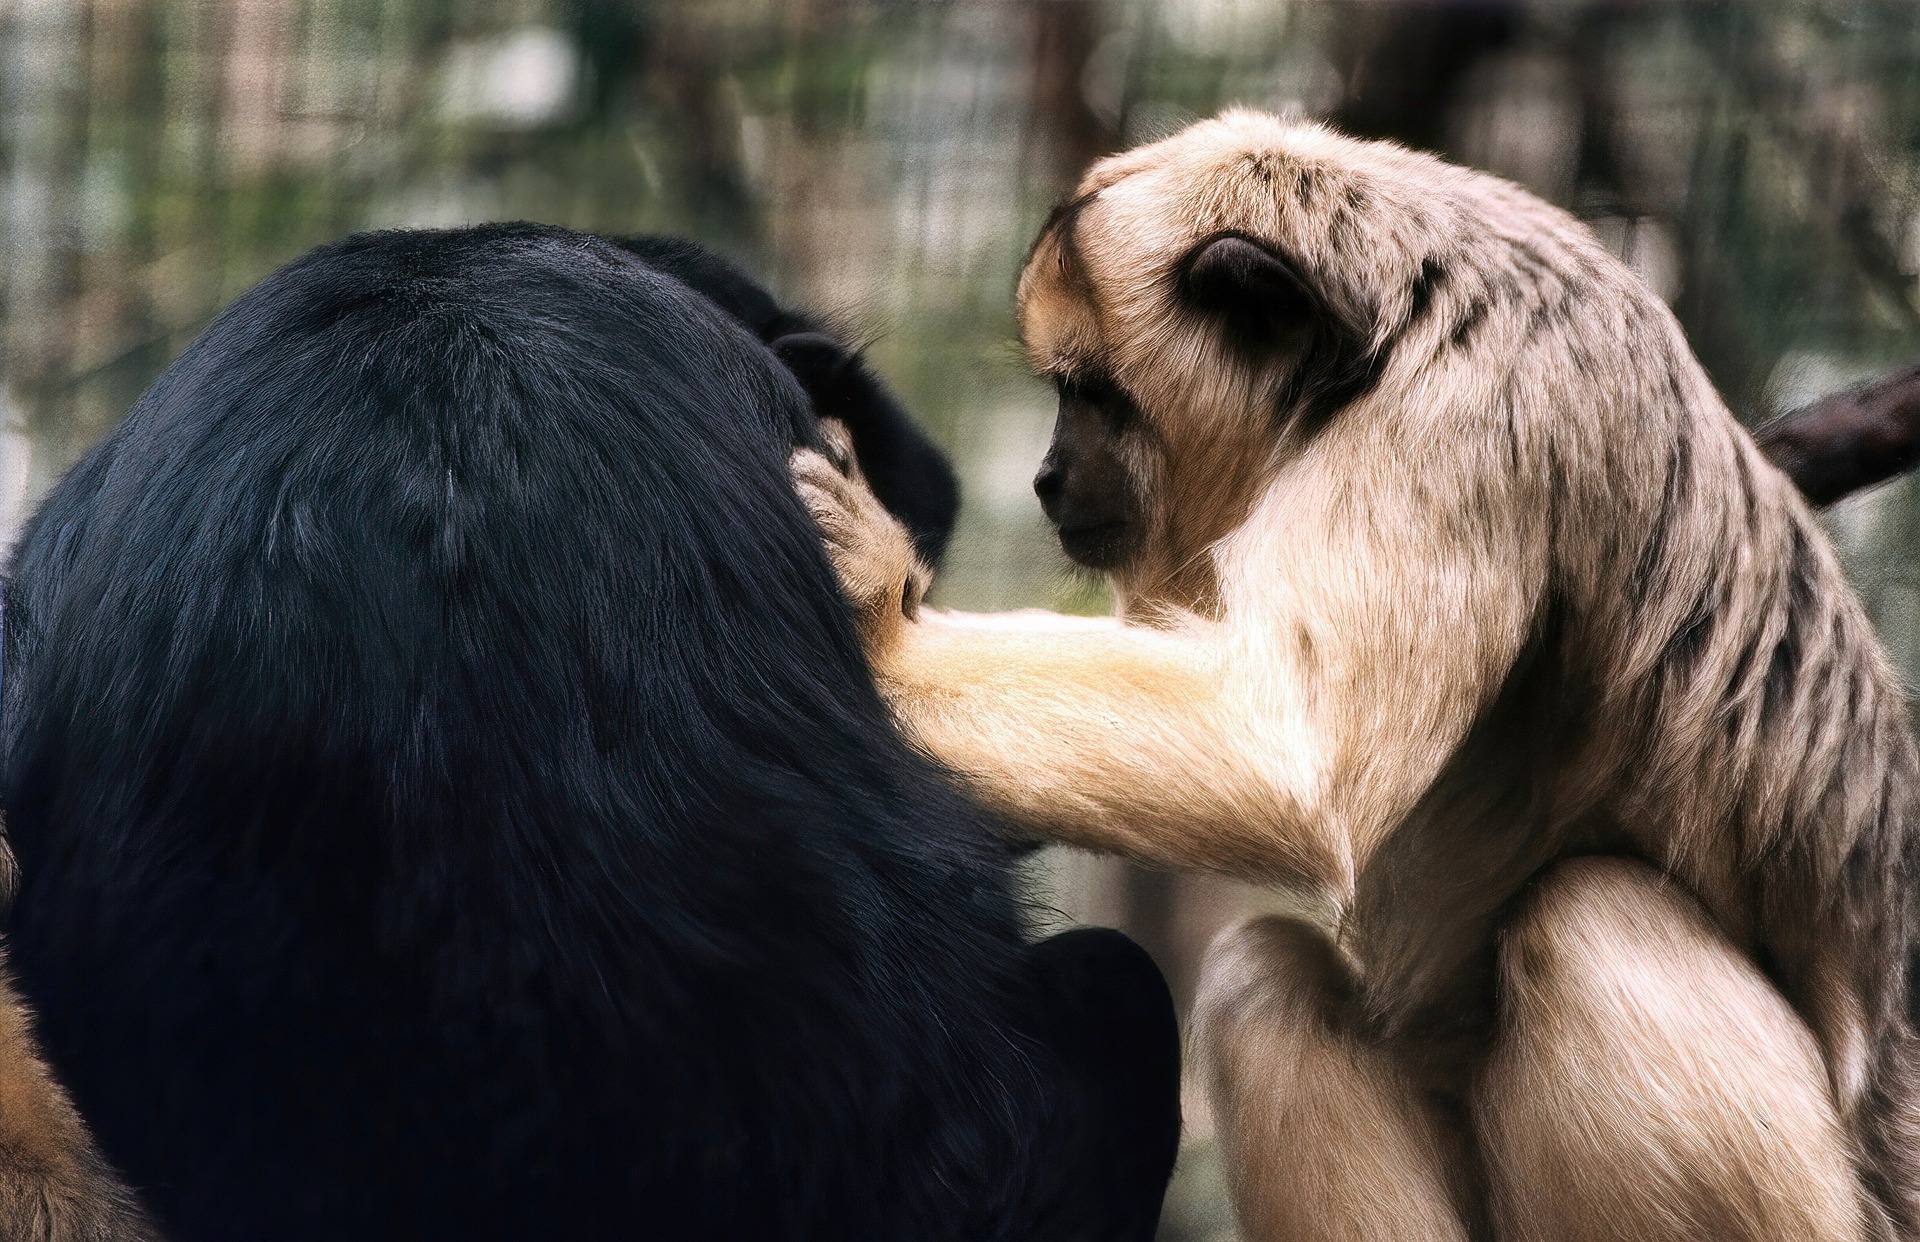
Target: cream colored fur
x=1529, y=593
x=1648, y=1082
x=1324, y=1138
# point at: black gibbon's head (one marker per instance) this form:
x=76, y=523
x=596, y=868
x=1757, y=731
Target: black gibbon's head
x=1209, y=305
x=906, y=470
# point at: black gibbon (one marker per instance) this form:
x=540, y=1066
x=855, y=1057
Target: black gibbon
x=451, y=802
x=1453, y=598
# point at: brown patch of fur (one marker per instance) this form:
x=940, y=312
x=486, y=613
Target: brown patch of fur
x=54, y=1187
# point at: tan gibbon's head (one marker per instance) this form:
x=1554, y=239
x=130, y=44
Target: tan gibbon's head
x=1209, y=304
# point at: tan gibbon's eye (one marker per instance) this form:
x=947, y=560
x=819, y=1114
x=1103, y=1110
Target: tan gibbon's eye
x=1099, y=394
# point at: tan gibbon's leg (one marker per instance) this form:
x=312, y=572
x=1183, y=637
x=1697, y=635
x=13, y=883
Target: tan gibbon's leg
x=1648, y=1082
x=1323, y=1141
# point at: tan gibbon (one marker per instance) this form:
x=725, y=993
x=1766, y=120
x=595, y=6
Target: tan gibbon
x=1452, y=598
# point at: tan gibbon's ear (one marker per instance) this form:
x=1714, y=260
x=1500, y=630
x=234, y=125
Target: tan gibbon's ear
x=1255, y=292
x=1267, y=311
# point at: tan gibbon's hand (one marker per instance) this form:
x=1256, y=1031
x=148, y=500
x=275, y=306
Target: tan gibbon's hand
x=871, y=551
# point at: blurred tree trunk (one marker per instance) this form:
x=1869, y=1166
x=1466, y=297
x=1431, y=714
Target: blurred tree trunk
x=1065, y=36
x=685, y=77
x=1072, y=135
x=1404, y=65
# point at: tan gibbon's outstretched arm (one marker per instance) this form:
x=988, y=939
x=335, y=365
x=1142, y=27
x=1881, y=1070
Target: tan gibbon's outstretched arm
x=1279, y=740
x=1074, y=729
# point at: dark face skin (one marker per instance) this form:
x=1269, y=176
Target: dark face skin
x=1083, y=483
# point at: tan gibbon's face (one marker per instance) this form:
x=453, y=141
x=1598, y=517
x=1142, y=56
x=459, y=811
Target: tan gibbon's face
x=1204, y=305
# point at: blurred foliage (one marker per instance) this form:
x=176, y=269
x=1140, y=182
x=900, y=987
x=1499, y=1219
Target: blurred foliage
x=886, y=163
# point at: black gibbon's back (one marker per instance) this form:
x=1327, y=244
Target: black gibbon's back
x=451, y=802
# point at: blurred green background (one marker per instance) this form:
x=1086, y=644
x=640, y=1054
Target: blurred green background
x=885, y=164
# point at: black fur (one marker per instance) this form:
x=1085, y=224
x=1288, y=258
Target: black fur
x=452, y=804
x=907, y=471
x=1257, y=295
x=1083, y=483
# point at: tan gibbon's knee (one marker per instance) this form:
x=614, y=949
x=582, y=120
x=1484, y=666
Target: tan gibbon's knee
x=1323, y=1140
x=1647, y=1082
x=54, y=1187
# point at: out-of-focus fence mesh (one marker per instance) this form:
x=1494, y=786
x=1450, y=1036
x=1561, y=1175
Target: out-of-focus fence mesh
x=886, y=164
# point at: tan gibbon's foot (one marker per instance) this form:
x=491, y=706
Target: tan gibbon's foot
x=872, y=553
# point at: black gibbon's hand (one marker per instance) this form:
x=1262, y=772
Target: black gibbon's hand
x=872, y=553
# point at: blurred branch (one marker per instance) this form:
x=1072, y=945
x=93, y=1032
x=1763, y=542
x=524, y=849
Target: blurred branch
x=1065, y=35
x=1851, y=440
